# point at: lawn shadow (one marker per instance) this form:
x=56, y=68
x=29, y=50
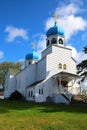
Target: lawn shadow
x=6, y=106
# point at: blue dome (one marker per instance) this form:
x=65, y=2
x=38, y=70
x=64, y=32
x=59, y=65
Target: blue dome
x=33, y=56
x=55, y=30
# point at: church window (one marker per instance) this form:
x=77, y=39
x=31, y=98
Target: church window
x=60, y=66
x=64, y=67
x=61, y=41
x=54, y=40
x=29, y=94
x=41, y=91
x=48, y=43
x=29, y=62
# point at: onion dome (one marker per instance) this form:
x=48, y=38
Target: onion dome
x=33, y=56
x=55, y=30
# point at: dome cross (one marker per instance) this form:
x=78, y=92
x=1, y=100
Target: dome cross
x=33, y=46
x=55, y=17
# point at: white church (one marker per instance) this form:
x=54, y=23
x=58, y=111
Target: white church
x=50, y=77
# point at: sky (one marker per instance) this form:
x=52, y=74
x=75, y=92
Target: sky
x=23, y=22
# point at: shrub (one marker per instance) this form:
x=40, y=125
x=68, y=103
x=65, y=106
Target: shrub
x=16, y=95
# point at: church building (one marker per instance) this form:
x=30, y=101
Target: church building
x=50, y=77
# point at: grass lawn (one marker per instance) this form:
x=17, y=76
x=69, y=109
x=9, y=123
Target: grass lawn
x=34, y=116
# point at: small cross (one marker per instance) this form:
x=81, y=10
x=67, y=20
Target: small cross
x=55, y=16
x=33, y=46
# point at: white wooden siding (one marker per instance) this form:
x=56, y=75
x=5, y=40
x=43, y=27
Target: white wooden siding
x=41, y=70
x=60, y=55
x=46, y=51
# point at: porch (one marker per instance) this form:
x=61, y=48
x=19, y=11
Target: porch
x=65, y=83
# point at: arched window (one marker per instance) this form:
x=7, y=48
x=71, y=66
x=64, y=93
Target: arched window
x=48, y=42
x=29, y=94
x=39, y=91
x=60, y=66
x=29, y=62
x=64, y=67
x=42, y=91
x=54, y=40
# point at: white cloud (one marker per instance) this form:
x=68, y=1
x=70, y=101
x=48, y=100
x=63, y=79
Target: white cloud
x=71, y=23
x=67, y=10
x=1, y=54
x=22, y=61
x=68, y=20
x=14, y=32
x=84, y=37
x=41, y=44
x=78, y=56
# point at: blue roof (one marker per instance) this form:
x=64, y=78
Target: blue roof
x=33, y=56
x=55, y=30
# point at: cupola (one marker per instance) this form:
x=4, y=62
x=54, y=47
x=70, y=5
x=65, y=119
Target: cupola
x=55, y=35
x=55, y=30
x=32, y=57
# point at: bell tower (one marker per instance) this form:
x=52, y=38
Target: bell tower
x=55, y=35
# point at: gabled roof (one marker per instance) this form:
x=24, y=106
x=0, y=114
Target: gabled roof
x=33, y=84
x=67, y=76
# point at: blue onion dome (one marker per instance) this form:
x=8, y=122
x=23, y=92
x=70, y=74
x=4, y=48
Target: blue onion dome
x=33, y=56
x=55, y=30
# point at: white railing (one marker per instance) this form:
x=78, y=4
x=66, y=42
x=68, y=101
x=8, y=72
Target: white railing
x=66, y=93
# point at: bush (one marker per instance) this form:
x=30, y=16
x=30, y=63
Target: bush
x=16, y=96
x=49, y=99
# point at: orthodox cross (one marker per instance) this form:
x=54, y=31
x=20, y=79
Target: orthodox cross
x=55, y=17
x=33, y=46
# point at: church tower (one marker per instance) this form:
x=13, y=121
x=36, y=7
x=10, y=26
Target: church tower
x=55, y=35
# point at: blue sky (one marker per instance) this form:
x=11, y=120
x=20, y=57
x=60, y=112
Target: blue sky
x=23, y=22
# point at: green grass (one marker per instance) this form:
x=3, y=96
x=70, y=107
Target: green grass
x=35, y=116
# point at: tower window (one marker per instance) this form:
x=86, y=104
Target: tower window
x=61, y=41
x=54, y=40
x=64, y=67
x=60, y=66
x=48, y=43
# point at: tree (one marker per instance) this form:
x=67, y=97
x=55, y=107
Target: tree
x=82, y=67
x=85, y=49
x=8, y=66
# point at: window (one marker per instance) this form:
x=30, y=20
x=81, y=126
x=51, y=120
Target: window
x=41, y=91
x=30, y=94
x=48, y=43
x=64, y=67
x=29, y=62
x=61, y=41
x=60, y=66
x=54, y=40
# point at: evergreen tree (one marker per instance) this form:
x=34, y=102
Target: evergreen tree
x=82, y=67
